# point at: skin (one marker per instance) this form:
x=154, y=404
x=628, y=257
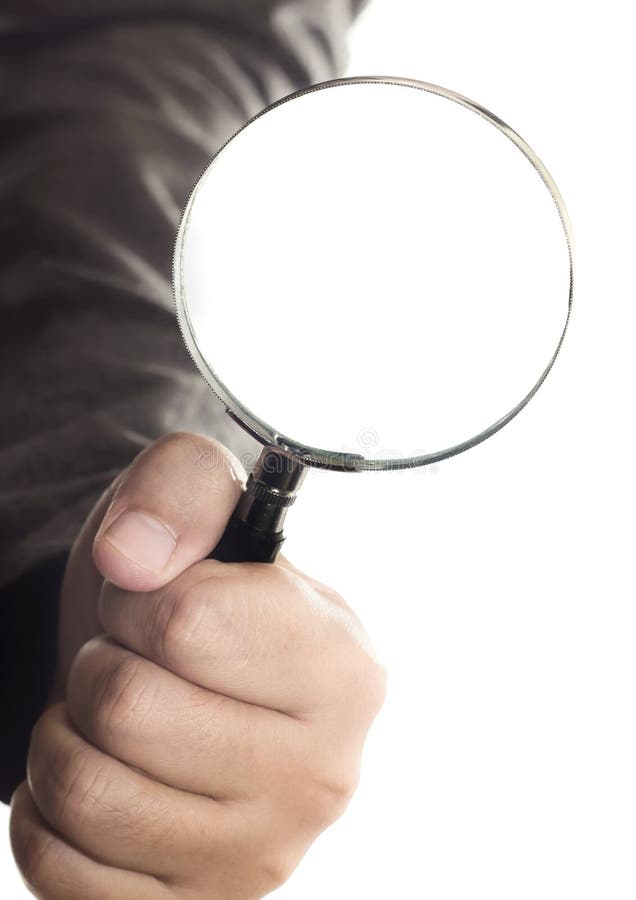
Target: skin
x=207, y=720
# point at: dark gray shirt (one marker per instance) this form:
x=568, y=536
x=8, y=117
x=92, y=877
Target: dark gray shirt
x=110, y=111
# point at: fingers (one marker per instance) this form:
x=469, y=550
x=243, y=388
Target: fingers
x=169, y=510
x=116, y=816
x=258, y=633
x=176, y=732
x=55, y=870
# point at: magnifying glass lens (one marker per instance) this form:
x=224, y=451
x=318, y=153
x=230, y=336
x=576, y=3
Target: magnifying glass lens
x=375, y=269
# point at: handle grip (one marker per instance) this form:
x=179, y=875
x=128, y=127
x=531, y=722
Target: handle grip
x=255, y=530
x=244, y=543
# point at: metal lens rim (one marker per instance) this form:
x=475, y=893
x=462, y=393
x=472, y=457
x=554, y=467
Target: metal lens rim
x=314, y=456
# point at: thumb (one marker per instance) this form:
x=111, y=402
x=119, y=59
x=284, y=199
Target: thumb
x=168, y=511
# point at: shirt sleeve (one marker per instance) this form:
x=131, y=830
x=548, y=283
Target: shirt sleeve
x=109, y=113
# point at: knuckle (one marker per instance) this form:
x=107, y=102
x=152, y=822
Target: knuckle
x=71, y=784
x=77, y=788
x=189, y=615
x=331, y=796
x=105, y=690
x=208, y=455
x=122, y=694
x=274, y=870
x=324, y=797
x=39, y=857
x=178, y=621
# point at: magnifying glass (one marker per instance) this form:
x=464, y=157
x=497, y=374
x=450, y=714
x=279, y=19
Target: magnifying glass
x=374, y=273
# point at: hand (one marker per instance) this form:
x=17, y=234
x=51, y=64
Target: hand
x=215, y=729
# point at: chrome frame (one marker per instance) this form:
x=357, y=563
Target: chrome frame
x=313, y=456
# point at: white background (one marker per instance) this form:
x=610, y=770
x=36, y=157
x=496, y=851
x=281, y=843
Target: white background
x=499, y=588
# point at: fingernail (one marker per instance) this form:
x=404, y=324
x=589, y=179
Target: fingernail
x=142, y=539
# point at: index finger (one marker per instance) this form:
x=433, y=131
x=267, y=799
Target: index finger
x=259, y=633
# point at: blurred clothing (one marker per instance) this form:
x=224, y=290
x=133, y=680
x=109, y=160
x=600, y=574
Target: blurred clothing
x=109, y=113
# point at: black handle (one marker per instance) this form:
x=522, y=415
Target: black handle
x=255, y=530
x=244, y=543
